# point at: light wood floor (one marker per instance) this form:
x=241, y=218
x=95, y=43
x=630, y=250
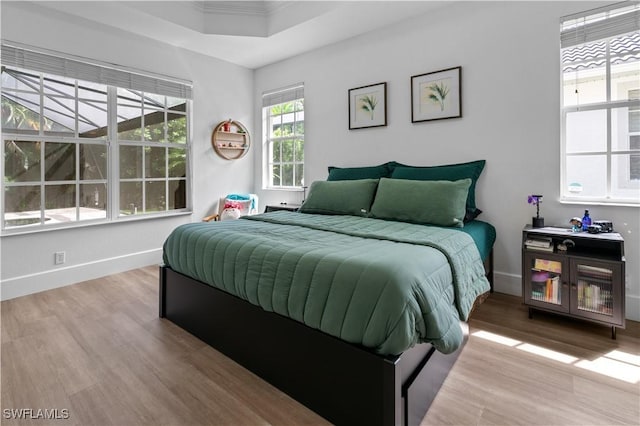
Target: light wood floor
x=99, y=350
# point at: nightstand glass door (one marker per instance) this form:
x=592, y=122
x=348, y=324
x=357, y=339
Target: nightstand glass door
x=545, y=285
x=593, y=291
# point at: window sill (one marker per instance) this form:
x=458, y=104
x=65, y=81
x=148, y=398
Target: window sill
x=85, y=224
x=285, y=189
x=600, y=203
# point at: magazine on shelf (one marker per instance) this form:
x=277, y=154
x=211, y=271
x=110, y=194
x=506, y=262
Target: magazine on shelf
x=540, y=244
x=548, y=265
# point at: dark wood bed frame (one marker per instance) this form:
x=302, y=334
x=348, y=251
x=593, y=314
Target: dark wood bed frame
x=344, y=383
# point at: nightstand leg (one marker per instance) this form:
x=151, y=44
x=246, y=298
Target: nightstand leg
x=613, y=333
x=530, y=313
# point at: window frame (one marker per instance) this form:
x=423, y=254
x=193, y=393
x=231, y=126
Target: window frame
x=295, y=95
x=111, y=143
x=583, y=25
x=145, y=144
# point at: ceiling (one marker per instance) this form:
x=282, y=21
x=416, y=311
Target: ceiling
x=248, y=33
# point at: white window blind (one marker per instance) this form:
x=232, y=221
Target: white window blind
x=598, y=24
x=62, y=65
x=285, y=94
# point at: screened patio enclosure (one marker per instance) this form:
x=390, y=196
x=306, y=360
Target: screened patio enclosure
x=68, y=142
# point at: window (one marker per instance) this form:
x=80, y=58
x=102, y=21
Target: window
x=152, y=137
x=283, y=115
x=79, y=150
x=600, y=71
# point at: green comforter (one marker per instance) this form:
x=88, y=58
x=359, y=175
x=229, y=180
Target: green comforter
x=384, y=285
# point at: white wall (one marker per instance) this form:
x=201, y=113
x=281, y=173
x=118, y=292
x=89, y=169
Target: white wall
x=510, y=72
x=221, y=90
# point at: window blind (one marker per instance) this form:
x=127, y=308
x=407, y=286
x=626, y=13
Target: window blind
x=285, y=94
x=598, y=24
x=112, y=75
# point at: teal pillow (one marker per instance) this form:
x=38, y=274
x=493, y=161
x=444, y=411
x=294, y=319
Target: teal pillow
x=452, y=172
x=437, y=202
x=349, y=197
x=352, y=173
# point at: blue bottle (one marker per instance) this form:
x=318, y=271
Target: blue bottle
x=586, y=220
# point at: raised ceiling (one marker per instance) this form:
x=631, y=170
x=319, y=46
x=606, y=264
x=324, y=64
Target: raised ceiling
x=247, y=33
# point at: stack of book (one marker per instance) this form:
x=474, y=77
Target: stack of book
x=594, y=298
x=548, y=290
x=545, y=281
x=594, y=289
x=539, y=244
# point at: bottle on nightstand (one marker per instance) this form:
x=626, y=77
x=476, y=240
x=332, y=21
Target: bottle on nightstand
x=586, y=220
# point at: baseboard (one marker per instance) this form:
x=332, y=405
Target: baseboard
x=507, y=283
x=632, y=308
x=60, y=277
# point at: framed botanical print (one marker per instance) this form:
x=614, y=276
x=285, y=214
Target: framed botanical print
x=436, y=95
x=368, y=106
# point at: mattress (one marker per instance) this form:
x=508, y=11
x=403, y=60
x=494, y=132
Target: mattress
x=483, y=234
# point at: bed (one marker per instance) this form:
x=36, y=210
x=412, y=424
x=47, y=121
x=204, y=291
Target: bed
x=355, y=312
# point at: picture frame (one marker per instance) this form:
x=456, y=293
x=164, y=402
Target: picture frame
x=436, y=95
x=368, y=106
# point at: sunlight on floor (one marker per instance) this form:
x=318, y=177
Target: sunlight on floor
x=616, y=364
x=612, y=368
x=547, y=353
x=624, y=357
x=496, y=338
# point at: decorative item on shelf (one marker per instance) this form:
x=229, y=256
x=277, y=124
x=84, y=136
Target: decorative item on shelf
x=586, y=220
x=230, y=140
x=605, y=225
x=537, y=221
x=576, y=224
x=594, y=229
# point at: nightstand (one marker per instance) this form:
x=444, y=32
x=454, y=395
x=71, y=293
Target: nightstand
x=282, y=206
x=576, y=274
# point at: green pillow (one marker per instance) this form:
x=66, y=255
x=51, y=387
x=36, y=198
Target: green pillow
x=471, y=170
x=351, y=197
x=437, y=202
x=351, y=173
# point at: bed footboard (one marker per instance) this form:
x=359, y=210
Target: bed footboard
x=343, y=383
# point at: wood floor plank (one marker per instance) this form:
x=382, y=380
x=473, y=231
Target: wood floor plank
x=28, y=380
x=92, y=406
x=99, y=350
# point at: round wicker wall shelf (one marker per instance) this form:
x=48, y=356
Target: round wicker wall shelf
x=230, y=140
